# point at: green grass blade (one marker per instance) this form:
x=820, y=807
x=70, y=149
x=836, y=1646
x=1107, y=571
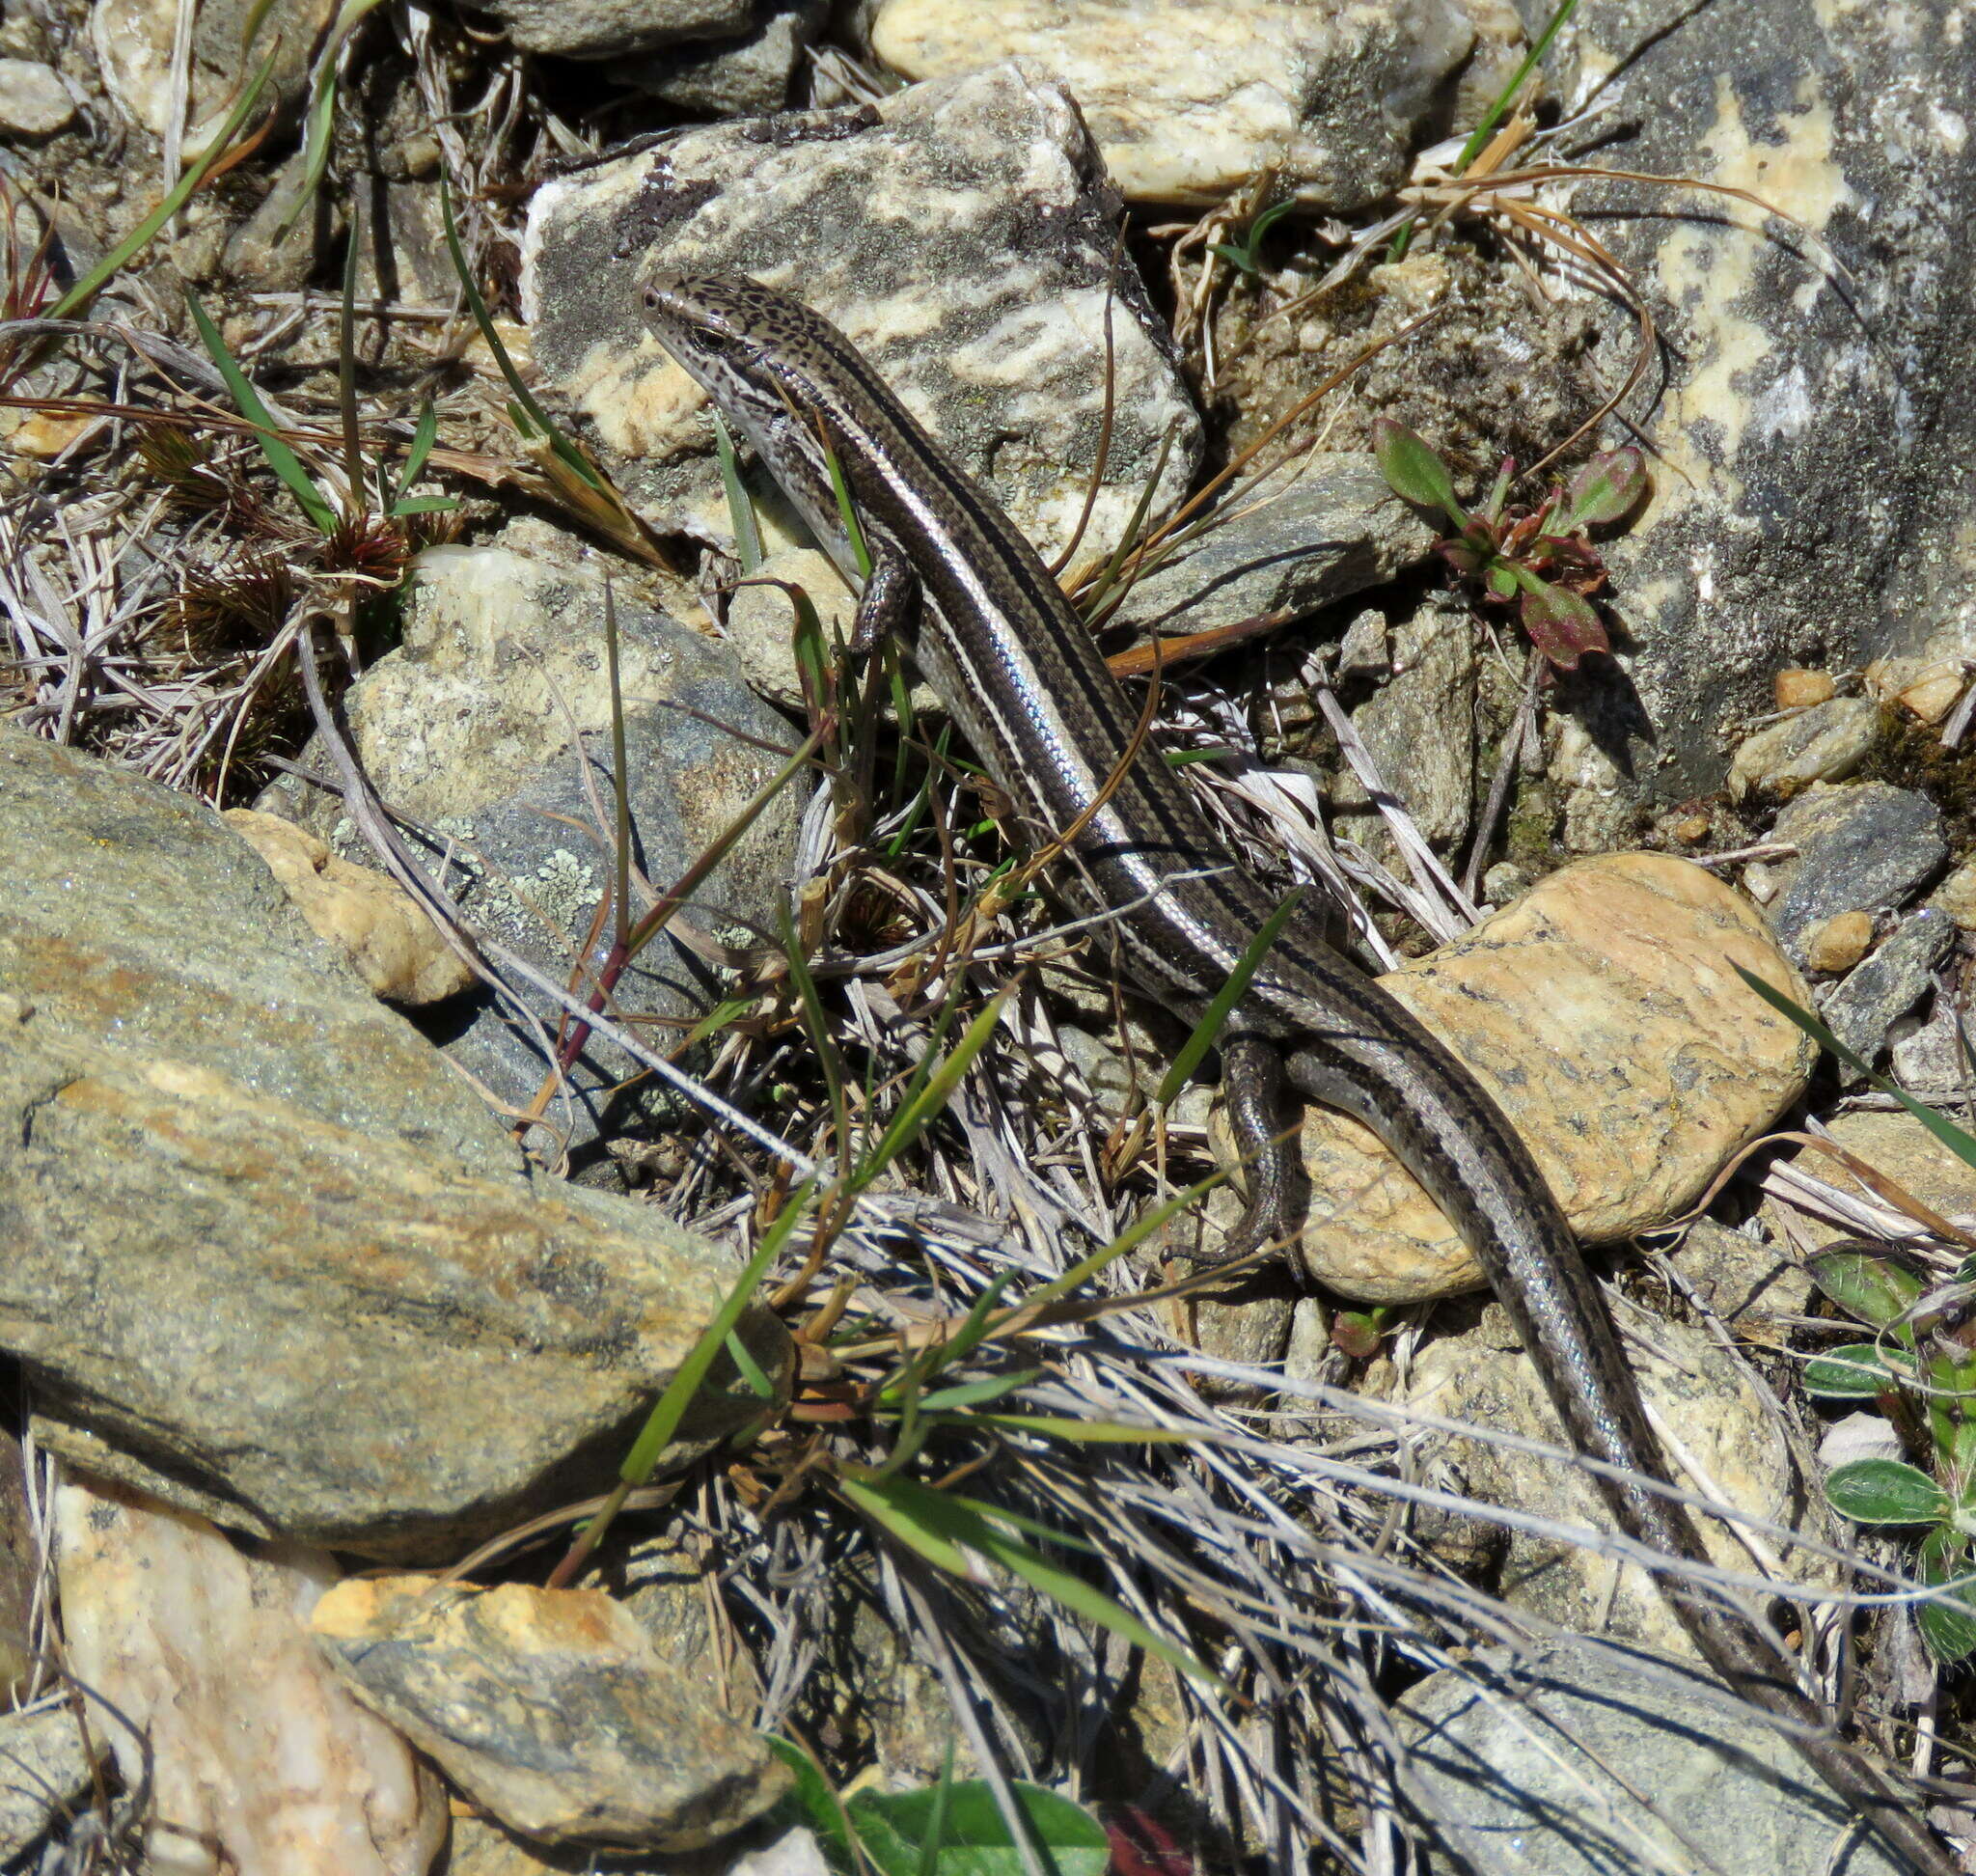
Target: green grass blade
x=1202, y=1040
x=972, y=1394
x=740, y=510
x=422, y=439
x=669, y=1408
x=281, y=459
x=944, y=1531
x=321, y=118
x=85, y=290
x=1959, y=1142
x=828, y=1058
x=934, y=1092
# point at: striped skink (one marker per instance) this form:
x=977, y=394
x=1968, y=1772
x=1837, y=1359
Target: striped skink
x=1021, y=678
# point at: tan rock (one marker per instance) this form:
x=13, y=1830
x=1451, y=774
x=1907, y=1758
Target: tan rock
x=1795, y=690
x=1602, y=1015
x=1716, y=1418
x=258, y=1762
x=1926, y=687
x=1839, y=943
x=1956, y=895
x=551, y=1708
x=1826, y=743
x=398, y=951
x=1188, y=103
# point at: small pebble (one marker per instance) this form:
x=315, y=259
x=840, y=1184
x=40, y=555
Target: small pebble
x=1690, y=830
x=1794, y=689
x=1839, y=943
x=33, y=101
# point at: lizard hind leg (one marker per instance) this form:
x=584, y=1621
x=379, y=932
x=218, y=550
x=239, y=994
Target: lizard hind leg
x=1264, y=1120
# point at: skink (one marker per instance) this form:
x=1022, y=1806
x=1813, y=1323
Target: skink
x=994, y=637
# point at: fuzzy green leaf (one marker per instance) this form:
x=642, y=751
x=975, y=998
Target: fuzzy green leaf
x=1886, y=1491
x=1412, y=470
x=958, y=1829
x=1873, y=1290
x=1853, y=1372
x=1606, y=490
x=1948, y=1627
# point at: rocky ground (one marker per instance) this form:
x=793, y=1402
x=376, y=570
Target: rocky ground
x=477, y=962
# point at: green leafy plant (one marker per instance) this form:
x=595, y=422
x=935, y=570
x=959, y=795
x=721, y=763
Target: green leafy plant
x=1540, y=560
x=1245, y=255
x=947, y=1828
x=1919, y=1369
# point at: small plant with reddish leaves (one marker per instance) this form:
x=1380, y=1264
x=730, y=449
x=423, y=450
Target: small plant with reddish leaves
x=1540, y=560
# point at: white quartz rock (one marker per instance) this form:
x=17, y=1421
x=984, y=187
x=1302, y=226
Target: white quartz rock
x=262, y=1764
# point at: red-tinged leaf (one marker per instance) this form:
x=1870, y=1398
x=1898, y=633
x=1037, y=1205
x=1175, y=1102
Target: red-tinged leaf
x=1411, y=470
x=1606, y=490
x=1355, y=1332
x=1561, y=625
x=1142, y=1847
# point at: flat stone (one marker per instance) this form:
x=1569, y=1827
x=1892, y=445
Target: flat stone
x=133, y=40
x=33, y=103
x=1602, y=1015
x=608, y=29
x=1629, y=1760
x=466, y=728
x=1419, y=728
x=43, y=1768
x=960, y=234
x=1297, y=544
x=1188, y=103
x=1716, y=1418
x=256, y=1229
x=1889, y=984
x=259, y=1763
x=1825, y=743
x=551, y=1709
x=1957, y=895
x=1863, y=846
x=1754, y=1287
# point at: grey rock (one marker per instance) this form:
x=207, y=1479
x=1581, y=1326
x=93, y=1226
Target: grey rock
x=34, y=101
x=1366, y=650
x=608, y=29
x=740, y=78
x=135, y=918
x=1335, y=530
x=256, y=1232
x=1927, y=1056
x=1619, y=1761
x=464, y=729
x=43, y=1768
x=1420, y=729
x=551, y=1708
x=960, y=232
x=1887, y=985
x=1815, y=442
x=1861, y=846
